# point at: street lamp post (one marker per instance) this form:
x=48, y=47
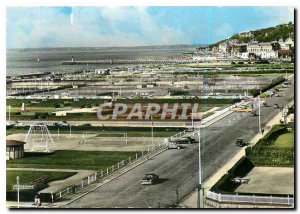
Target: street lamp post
x=9, y=113
x=193, y=119
x=152, y=129
x=200, y=173
x=70, y=130
x=259, y=124
x=18, y=190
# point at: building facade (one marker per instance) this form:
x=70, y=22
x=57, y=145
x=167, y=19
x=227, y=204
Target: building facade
x=262, y=50
x=14, y=149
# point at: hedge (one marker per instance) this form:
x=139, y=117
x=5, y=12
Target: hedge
x=96, y=102
x=240, y=169
x=263, y=154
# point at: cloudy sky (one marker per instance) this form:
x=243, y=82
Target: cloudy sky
x=133, y=26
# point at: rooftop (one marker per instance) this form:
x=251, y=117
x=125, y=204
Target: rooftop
x=14, y=143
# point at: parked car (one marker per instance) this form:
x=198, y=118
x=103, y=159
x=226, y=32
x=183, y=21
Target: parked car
x=174, y=145
x=265, y=104
x=61, y=123
x=12, y=123
x=20, y=125
x=275, y=106
x=184, y=140
x=191, y=129
x=245, y=109
x=150, y=178
x=240, y=142
x=86, y=125
x=253, y=114
x=40, y=124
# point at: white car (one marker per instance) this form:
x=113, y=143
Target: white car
x=150, y=178
x=12, y=123
x=20, y=125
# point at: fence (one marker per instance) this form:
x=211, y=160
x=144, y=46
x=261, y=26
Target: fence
x=114, y=168
x=289, y=201
x=179, y=124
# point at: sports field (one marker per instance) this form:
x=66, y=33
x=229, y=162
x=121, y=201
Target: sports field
x=92, y=142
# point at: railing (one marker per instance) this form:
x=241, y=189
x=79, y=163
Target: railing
x=254, y=199
x=114, y=168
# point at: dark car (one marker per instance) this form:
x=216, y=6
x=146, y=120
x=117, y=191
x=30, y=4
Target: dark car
x=150, y=178
x=184, y=140
x=240, y=142
x=86, y=125
x=253, y=114
x=265, y=104
x=276, y=106
x=40, y=124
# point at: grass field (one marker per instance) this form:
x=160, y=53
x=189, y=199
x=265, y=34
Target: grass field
x=70, y=159
x=35, y=109
x=26, y=177
x=285, y=140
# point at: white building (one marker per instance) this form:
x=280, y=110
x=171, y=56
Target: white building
x=263, y=50
x=245, y=55
x=101, y=70
x=289, y=42
x=223, y=47
x=283, y=45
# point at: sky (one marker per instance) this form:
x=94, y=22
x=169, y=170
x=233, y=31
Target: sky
x=37, y=27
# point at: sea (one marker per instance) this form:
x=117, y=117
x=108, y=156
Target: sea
x=25, y=61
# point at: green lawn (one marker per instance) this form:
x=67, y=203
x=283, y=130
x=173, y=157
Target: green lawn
x=35, y=109
x=285, y=140
x=26, y=177
x=69, y=159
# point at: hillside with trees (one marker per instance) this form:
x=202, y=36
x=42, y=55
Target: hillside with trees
x=263, y=35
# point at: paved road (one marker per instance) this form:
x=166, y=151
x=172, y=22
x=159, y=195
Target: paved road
x=179, y=168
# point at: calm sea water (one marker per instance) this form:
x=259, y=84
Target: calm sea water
x=25, y=62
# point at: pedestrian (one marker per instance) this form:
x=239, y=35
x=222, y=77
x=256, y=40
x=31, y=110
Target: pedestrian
x=35, y=200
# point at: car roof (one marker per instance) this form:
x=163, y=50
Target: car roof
x=151, y=173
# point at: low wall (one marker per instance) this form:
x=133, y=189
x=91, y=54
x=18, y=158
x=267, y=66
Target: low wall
x=216, y=204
